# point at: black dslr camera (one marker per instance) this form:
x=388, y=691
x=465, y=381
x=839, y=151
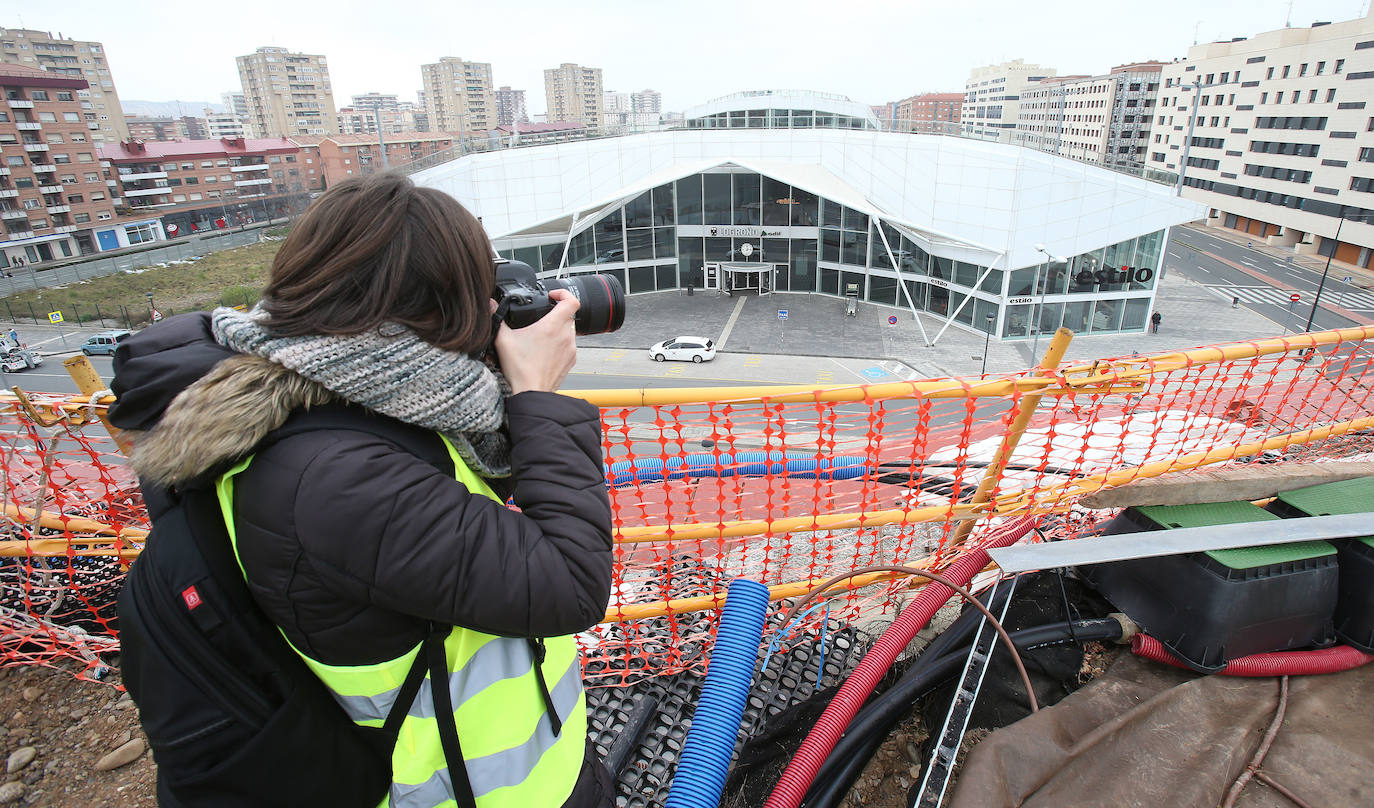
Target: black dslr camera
x=522, y=299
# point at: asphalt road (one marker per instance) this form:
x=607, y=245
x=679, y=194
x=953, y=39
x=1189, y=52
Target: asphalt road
x=1264, y=283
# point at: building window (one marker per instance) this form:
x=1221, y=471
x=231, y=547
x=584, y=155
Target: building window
x=1269, y=74
x=1364, y=184
x=139, y=233
x=1264, y=98
x=82, y=218
x=1330, y=95
x=103, y=216
x=1340, y=66
x=38, y=95
x=75, y=199
x=1286, y=68
x=1321, y=68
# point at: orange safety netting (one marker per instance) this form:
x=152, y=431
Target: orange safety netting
x=788, y=486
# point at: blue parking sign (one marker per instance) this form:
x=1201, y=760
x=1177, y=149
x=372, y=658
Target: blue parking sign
x=782, y=314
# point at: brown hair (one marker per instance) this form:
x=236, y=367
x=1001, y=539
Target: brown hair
x=378, y=249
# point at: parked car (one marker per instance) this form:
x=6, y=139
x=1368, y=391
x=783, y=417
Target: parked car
x=14, y=359
x=104, y=343
x=683, y=349
x=611, y=256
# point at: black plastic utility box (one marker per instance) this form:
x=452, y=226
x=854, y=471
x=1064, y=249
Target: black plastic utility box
x=1209, y=608
x=1355, y=604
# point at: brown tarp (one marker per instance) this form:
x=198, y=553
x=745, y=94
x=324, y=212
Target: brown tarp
x=1145, y=734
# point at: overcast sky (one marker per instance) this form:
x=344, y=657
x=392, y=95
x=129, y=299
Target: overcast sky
x=691, y=50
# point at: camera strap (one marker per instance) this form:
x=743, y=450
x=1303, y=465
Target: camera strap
x=497, y=317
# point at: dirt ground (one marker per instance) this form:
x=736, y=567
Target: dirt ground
x=74, y=729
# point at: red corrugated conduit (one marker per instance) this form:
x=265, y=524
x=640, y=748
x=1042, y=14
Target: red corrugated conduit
x=801, y=770
x=1279, y=663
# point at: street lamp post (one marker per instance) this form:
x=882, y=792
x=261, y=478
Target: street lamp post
x=1044, y=290
x=1335, y=242
x=987, y=338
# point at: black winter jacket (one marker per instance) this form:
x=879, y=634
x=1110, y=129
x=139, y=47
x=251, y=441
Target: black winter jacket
x=351, y=543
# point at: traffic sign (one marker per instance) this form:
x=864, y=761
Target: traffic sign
x=892, y=319
x=782, y=314
x=1295, y=297
x=54, y=316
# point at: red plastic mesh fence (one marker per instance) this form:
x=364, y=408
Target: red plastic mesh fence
x=786, y=487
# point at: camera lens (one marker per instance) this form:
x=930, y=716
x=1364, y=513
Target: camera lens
x=602, y=301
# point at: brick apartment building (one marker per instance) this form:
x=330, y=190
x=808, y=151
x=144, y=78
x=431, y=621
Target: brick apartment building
x=52, y=193
x=77, y=59
x=930, y=113
x=332, y=159
x=194, y=185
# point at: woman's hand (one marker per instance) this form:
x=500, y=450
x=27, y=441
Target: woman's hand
x=539, y=356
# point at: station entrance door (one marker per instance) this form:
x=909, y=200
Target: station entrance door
x=731, y=277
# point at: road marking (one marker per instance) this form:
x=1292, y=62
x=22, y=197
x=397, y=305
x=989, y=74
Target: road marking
x=1280, y=297
x=730, y=324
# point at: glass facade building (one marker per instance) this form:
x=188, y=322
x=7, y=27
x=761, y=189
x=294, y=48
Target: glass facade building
x=666, y=237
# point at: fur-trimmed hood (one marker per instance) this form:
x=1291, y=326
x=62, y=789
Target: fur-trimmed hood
x=192, y=405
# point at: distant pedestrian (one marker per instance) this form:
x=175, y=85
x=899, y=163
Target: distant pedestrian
x=14, y=336
x=1235, y=302
x=1155, y=320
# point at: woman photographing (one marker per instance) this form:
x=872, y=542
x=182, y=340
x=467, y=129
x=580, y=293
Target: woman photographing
x=361, y=451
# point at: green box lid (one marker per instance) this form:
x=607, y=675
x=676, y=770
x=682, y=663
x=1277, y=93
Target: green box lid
x=1230, y=513
x=1346, y=496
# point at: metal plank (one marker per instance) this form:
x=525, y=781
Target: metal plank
x=1126, y=546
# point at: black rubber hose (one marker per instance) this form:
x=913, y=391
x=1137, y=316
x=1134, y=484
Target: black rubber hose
x=872, y=725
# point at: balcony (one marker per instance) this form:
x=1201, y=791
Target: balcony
x=146, y=175
x=253, y=167
x=146, y=191
x=19, y=103
x=28, y=126
x=8, y=193
x=65, y=228
x=50, y=189
x=4, y=171
x=59, y=208
x=32, y=147
x=19, y=236
x=40, y=168
x=263, y=181
x=14, y=214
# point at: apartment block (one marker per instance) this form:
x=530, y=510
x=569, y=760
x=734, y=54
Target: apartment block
x=992, y=98
x=646, y=102
x=332, y=159
x=1103, y=120
x=930, y=113
x=52, y=194
x=161, y=128
x=193, y=185
x=574, y=94
x=1273, y=133
x=287, y=93
x=223, y=124
x=510, y=107
x=459, y=95
x=387, y=102
x=73, y=58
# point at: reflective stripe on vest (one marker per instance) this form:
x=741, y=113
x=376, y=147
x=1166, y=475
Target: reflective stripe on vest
x=511, y=755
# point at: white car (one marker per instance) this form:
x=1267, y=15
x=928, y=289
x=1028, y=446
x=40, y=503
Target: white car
x=695, y=349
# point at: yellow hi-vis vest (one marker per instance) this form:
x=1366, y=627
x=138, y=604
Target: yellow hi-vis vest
x=513, y=757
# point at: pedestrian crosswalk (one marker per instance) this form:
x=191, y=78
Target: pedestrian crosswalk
x=1361, y=300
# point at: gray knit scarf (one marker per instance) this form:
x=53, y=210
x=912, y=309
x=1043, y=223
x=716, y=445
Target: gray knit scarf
x=394, y=372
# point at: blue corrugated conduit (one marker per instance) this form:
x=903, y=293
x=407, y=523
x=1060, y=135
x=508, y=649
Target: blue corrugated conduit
x=705, y=760
x=737, y=464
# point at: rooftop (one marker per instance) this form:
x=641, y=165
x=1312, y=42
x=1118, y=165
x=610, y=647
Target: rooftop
x=138, y=151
